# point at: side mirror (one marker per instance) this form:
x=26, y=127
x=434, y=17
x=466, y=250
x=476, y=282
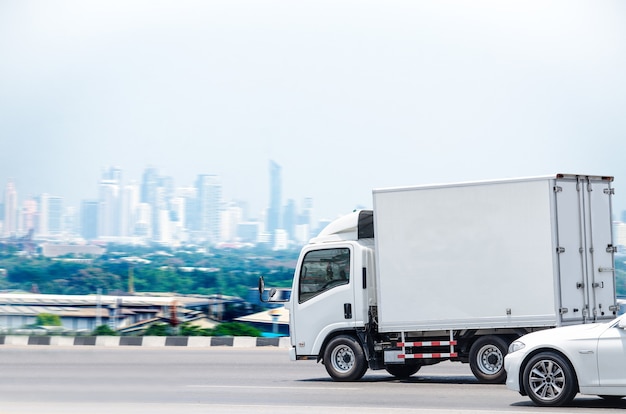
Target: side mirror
x=622, y=323
x=272, y=293
x=261, y=288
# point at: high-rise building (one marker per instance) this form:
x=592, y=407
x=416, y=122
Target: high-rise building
x=157, y=191
x=143, y=225
x=70, y=220
x=89, y=219
x=273, y=214
x=109, y=197
x=209, y=206
x=189, y=216
x=55, y=215
x=30, y=215
x=10, y=210
x=128, y=209
x=50, y=215
x=231, y=217
x=108, y=210
x=305, y=220
x=290, y=219
x=149, y=185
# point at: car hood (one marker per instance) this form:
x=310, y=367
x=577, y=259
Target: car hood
x=574, y=332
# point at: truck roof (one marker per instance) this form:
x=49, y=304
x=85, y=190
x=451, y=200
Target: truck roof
x=353, y=226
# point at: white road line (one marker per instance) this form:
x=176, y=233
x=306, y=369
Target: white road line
x=247, y=387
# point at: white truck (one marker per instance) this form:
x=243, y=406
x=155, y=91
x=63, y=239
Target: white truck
x=453, y=272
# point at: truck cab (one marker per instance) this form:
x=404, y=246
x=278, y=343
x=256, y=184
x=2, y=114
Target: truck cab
x=333, y=288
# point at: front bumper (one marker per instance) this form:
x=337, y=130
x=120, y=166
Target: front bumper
x=512, y=365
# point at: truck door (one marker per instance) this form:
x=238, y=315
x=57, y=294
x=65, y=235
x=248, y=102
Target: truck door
x=324, y=297
x=585, y=251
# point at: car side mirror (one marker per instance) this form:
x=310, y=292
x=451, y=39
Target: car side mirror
x=622, y=323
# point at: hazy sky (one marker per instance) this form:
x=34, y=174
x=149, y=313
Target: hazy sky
x=345, y=95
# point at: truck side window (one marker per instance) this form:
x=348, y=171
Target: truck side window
x=323, y=270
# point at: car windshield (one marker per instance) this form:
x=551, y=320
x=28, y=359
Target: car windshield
x=615, y=322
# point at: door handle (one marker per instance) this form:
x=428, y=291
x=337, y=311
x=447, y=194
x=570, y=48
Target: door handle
x=347, y=310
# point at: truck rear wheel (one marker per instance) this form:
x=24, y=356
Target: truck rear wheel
x=487, y=359
x=344, y=359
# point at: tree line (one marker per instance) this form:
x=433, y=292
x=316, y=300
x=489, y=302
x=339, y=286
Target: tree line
x=229, y=272
x=122, y=269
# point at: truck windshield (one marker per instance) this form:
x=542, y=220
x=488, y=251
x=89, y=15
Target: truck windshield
x=322, y=270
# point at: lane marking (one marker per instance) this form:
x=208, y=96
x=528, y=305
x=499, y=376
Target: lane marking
x=246, y=387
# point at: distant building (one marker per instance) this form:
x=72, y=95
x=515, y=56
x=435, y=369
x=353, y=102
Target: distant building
x=108, y=209
x=128, y=209
x=248, y=232
x=10, y=210
x=281, y=240
x=89, y=220
x=30, y=215
x=209, y=206
x=50, y=215
x=56, y=250
x=123, y=313
x=273, y=213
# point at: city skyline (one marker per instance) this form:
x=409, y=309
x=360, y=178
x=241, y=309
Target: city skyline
x=345, y=95
x=154, y=208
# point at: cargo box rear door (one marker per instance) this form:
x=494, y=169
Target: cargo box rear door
x=585, y=250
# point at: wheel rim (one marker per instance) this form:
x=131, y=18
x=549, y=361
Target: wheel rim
x=343, y=358
x=547, y=380
x=490, y=359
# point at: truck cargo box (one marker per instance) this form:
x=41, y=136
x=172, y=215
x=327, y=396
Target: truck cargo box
x=507, y=253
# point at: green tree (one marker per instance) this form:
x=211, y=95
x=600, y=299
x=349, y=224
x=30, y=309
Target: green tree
x=104, y=330
x=235, y=329
x=157, y=329
x=48, y=319
x=186, y=329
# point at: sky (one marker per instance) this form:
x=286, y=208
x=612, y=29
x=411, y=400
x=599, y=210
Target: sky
x=344, y=95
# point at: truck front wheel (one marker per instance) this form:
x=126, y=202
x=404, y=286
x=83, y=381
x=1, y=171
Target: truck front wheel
x=487, y=359
x=344, y=359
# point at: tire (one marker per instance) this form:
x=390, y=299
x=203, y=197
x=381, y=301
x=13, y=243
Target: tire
x=344, y=359
x=549, y=380
x=487, y=359
x=402, y=371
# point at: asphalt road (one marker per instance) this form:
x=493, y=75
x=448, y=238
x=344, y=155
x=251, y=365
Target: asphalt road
x=121, y=380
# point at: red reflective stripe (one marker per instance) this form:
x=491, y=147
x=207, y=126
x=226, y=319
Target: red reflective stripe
x=426, y=343
x=427, y=356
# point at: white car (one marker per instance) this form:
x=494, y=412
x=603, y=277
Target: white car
x=553, y=365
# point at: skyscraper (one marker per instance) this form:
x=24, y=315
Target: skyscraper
x=273, y=214
x=109, y=197
x=128, y=210
x=209, y=205
x=30, y=215
x=89, y=220
x=10, y=210
x=290, y=218
x=50, y=215
x=108, y=211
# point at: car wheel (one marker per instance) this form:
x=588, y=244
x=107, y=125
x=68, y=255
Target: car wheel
x=549, y=380
x=487, y=359
x=344, y=359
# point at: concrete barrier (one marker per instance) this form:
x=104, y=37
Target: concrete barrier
x=145, y=341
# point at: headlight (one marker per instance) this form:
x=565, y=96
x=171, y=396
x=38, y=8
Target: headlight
x=516, y=346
